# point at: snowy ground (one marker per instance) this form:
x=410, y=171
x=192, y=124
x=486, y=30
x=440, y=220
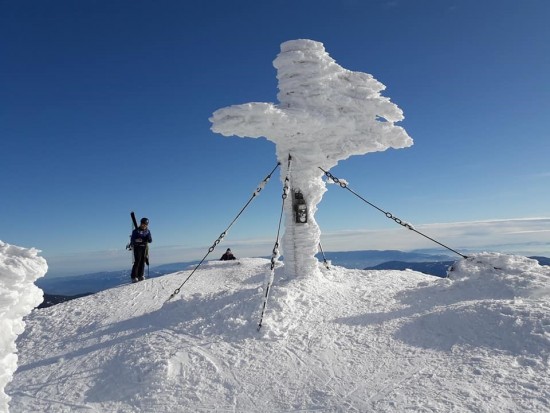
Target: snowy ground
x=347, y=340
x=19, y=269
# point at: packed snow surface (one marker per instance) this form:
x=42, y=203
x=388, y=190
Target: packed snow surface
x=19, y=268
x=344, y=340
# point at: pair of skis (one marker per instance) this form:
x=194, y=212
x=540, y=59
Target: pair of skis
x=134, y=220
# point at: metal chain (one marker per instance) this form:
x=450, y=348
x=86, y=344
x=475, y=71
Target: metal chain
x=388, y=214
x=284, y=196
x=327, y=266
x=223, y=234
x=275, y=253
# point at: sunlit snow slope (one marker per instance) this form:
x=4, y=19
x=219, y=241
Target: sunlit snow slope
x=347, y=340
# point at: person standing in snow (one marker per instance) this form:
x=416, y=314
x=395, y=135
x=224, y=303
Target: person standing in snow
x=141, y=237
x=228, y=255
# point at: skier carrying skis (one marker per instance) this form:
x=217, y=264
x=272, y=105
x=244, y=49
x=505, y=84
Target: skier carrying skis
x=141, y=237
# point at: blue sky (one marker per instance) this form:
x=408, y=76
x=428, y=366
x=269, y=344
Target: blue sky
x=105, y=109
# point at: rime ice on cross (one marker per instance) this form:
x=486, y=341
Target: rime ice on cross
x=326, y=114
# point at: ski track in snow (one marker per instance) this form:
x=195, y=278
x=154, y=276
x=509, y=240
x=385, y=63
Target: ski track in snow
x=345, y=340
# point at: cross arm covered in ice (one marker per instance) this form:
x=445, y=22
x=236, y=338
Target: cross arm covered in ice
x=341, y=111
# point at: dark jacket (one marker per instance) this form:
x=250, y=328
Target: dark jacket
x=140, y=238
x=227, y=256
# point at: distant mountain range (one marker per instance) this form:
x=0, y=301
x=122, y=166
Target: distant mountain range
x=542, y=260
x=99, y=281
x=370, y=258
x=437, y=268
x=52, y=299
x=60, y=289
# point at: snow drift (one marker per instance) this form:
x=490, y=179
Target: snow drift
x=19, y=268
x=344, y=340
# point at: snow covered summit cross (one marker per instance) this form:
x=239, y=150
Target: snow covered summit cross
x=325, y=114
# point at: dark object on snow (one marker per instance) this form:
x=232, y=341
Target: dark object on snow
x=300, y=208
x=228, y=255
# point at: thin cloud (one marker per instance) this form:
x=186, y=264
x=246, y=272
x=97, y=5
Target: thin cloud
x=540, y=175
x=512, y=233
x=524, y=236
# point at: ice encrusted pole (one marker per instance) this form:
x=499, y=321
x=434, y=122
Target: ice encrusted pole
x=19, y=269
x=325, y=114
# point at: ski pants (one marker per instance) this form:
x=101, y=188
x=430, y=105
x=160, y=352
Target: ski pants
x=140, y=254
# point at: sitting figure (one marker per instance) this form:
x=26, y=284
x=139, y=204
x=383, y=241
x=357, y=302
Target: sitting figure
x=228, y=255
